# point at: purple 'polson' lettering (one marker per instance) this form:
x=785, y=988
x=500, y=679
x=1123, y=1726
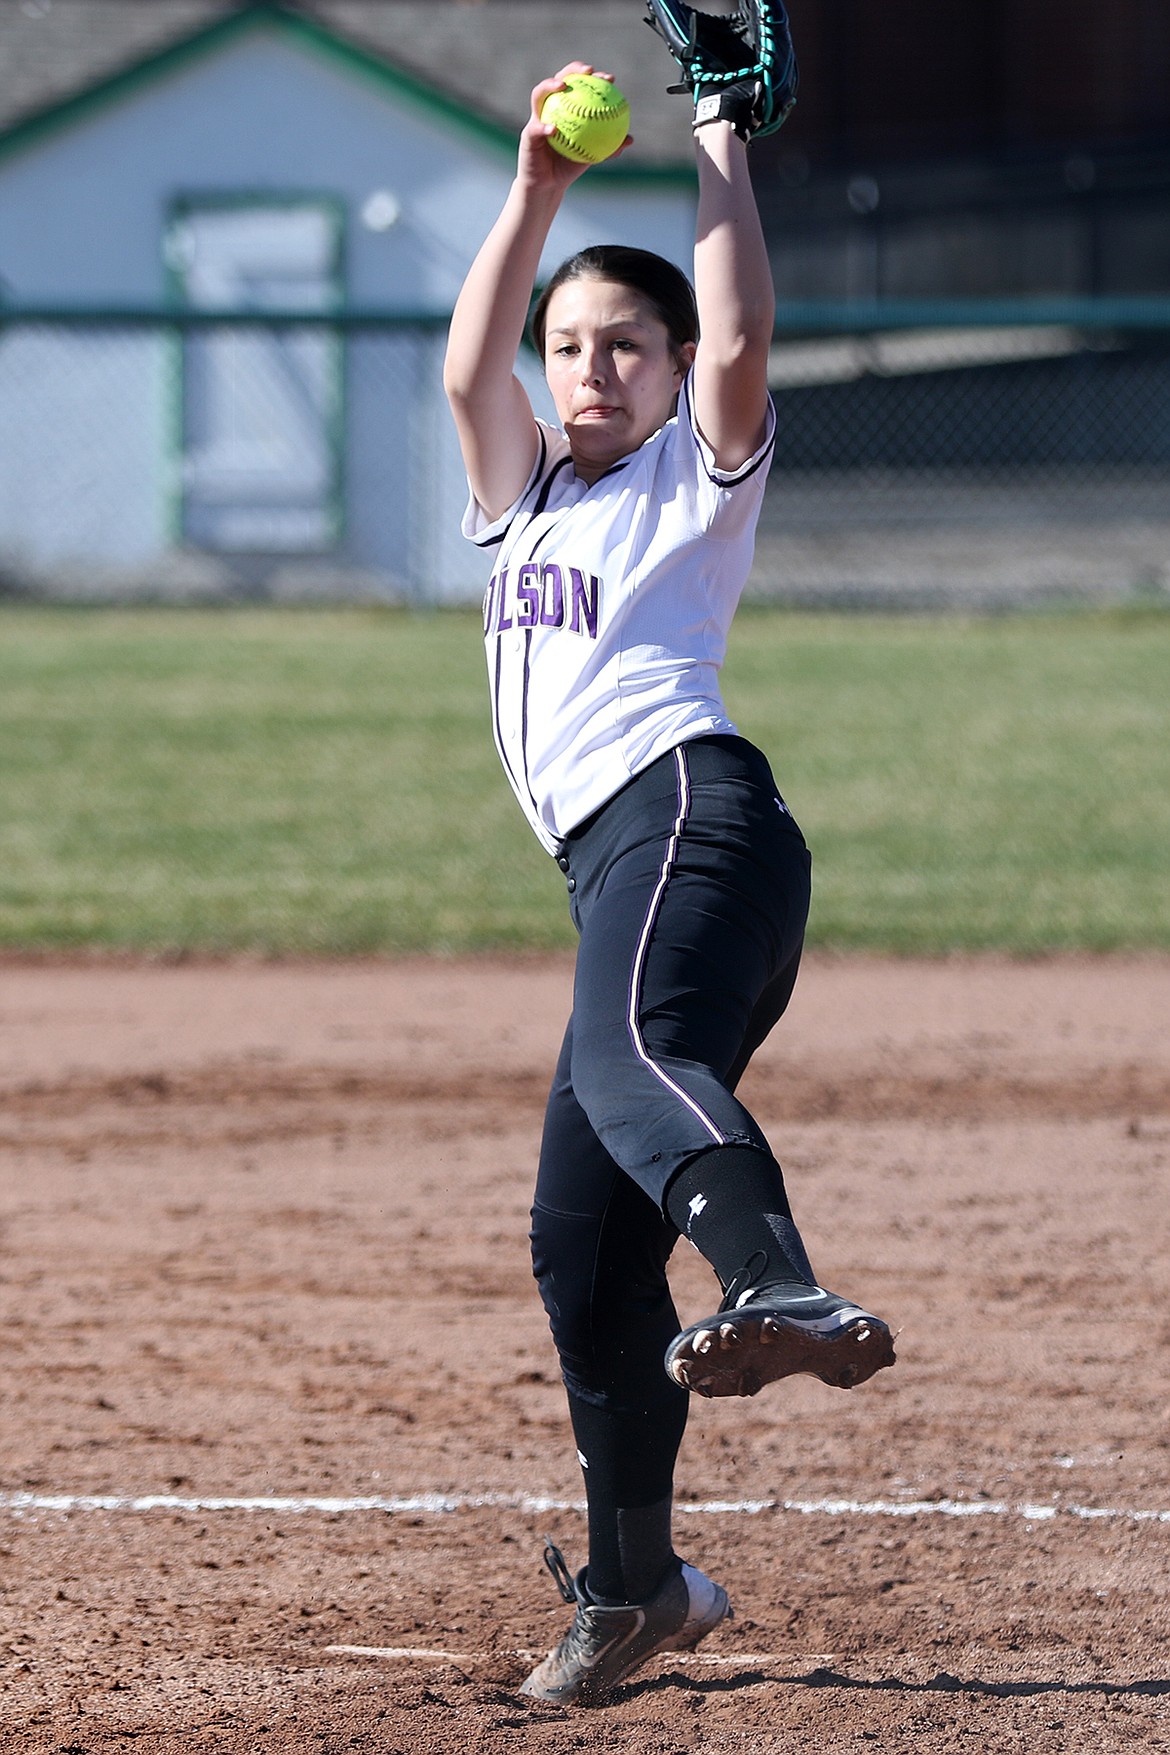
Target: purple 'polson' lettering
x=489, y=601
x=503, y=619
x=586, y=599
x=527, y=595
x=552, y=614
x=542, y=598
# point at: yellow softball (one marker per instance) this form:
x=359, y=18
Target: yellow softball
x=592, y=118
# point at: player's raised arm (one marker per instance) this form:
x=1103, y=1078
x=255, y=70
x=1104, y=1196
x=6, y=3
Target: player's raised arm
x=497, y=432
x=741, y=71
x=736, y=300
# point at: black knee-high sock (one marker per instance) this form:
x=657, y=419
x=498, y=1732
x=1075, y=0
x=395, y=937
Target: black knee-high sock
x=628, y=1459
x=732, y=1205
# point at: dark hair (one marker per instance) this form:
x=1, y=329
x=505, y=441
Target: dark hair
x=660, y=283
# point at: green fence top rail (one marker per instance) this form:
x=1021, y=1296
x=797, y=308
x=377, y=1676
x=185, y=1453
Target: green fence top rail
x=183, y=317
x=865, y=316
x=793, y=316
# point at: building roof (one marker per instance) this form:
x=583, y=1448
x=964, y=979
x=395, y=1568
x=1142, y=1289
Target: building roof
x=483, y=54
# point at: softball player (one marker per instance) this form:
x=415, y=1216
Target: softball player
x=620, y=542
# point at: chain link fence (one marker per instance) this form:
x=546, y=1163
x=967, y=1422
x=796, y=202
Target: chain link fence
x=229, y=455
x=972, y=453
x=966, y=454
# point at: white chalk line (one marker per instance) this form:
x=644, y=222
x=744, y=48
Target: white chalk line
x=427, y=1655
x=439, y=1504
x=410, y=1653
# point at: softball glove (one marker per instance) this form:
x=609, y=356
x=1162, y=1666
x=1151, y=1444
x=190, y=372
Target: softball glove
x=739, y=69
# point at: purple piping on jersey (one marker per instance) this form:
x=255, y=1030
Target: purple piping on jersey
x=495, y=541
x=744, y=474
x=639, y=965
x=497, y=727
x=524, y=715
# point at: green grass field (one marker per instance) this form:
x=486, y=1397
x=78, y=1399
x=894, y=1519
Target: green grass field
x=313, y=782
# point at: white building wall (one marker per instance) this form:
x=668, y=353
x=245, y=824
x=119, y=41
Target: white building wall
x=83, y=216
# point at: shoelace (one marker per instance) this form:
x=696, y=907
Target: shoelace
x=557, y=1565
x=744, y=1281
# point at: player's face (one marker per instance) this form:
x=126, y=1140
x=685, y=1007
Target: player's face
x=612, y=370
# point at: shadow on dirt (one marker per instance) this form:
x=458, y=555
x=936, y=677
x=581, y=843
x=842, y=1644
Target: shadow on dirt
x=943, y=1683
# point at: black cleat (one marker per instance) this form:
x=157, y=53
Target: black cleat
x=778, y=1331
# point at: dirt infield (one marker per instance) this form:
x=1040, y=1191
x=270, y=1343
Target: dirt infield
x=276, y=1382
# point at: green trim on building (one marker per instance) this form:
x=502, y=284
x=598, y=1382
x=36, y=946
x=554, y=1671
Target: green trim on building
x=316, y=37
x=113, y=87
x=395, y=81
x=451, y=112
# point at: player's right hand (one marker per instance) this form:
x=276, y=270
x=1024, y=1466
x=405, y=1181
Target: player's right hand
x=540, y=168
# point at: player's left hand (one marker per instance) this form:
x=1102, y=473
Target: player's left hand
x=739, y=69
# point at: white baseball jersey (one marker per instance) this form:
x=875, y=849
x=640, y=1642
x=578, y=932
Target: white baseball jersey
x=607, y=613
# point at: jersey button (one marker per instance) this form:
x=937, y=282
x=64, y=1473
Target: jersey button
x=571, y=885
x=563, y=862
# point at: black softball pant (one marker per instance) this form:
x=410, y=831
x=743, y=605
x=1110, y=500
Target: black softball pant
x=690, y=891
